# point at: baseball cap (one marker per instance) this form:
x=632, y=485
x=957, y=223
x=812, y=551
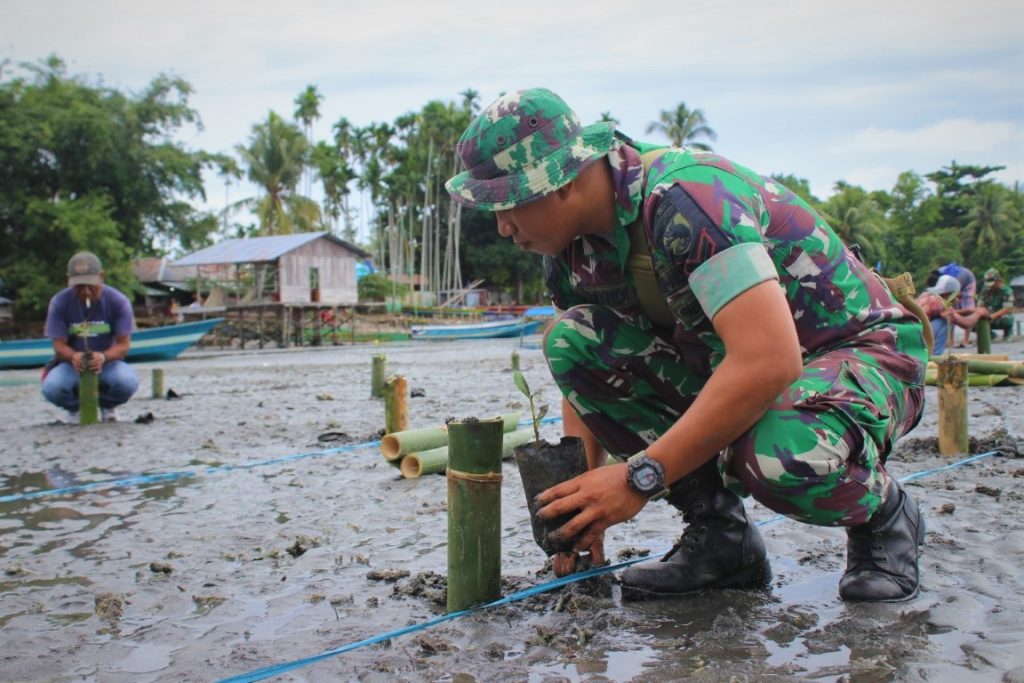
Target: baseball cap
x=946, y=286
x=84, y=268
x=991, y=275
x=523, y=146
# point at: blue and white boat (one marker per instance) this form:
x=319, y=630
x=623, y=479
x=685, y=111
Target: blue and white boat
x=150, y=344
x=498, y=329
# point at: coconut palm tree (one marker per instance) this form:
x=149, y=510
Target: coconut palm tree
x=856, y=218
x=275, y=157
x=307, y=110
x=990, y=219
x=682, y=126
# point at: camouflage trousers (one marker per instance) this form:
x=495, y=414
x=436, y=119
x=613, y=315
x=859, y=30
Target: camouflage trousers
x=818, y=453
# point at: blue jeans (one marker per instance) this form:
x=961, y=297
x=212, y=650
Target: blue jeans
x=940, y=330
x=117, y=384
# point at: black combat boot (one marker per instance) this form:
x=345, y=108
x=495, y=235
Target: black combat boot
x=881, y=555
x=718, y=549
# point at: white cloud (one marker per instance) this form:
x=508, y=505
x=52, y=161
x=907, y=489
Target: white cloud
x=951, y=137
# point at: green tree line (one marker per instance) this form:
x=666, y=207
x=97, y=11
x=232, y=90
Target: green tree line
x=86, y=166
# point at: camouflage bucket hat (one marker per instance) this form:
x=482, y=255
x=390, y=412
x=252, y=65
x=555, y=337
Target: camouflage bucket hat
x=525, y=145
x=991, y=275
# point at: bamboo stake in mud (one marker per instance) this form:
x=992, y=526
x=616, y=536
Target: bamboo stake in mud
x=983, y=329
x=88, y=393
x=377, y=379
x=396, y=405
x=515, y=360
x=952, y=385
x=158, y=383
x=474, y=513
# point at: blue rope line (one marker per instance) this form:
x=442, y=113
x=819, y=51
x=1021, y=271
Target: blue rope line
x=143, y=479
x=278, y=669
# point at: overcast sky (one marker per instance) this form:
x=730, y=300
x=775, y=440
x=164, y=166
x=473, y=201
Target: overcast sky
x=855, y=91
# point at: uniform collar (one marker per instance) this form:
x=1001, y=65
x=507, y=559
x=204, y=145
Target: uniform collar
x=627, y=180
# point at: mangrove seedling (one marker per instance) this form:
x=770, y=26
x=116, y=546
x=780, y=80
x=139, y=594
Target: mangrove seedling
x=536, y=414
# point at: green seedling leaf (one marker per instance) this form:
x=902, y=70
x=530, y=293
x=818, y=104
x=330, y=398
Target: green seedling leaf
x=541, y=413
x=521, y=384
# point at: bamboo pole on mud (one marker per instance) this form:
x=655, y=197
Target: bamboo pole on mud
x=415, y=465
x=396, y=406
x=983, y=330
x=474, y=513
x=377, y=378
x=88, y=393
x=515, y=360
x=158, y=383
x=952, y=385
x=397, y=445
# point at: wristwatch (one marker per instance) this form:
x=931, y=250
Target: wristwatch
x=646, y=476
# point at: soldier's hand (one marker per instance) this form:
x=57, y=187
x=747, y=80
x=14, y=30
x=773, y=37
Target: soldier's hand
x=564, y=564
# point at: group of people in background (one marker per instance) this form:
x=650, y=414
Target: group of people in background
x=952, y=301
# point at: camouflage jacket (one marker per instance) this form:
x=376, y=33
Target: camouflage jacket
x=715, y=229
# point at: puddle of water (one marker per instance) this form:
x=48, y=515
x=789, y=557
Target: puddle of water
x=145, y=658
x=614, y=665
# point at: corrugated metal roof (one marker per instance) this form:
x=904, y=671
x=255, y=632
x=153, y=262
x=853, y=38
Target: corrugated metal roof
x=258, y=249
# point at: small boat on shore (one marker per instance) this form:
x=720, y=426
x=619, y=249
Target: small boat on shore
x=150, y=344
x=498, y=329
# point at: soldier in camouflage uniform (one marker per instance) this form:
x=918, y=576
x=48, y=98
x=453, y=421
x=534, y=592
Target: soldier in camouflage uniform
x=771, y=364
x=997, y=299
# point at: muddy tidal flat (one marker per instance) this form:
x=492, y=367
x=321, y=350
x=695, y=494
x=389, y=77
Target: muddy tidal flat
x=252, y=521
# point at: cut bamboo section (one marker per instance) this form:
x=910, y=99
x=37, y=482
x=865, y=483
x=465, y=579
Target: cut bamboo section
x=474, y=513
x=158, y=383
x=974, y=356
x=952, y=384
x=396, y=404
x=395, y=446
x=88, y=394
x=983, y=331
x=415, y=465
x=377, y=376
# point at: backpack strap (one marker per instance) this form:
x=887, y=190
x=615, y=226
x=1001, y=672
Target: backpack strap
x=639, y=263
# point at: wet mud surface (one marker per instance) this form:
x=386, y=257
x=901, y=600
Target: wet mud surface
x=257, y=523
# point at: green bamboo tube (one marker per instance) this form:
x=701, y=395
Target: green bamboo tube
x=396, y=408
x=975, y=356
x=983, y=330
x=415, y=465
x=395, y=446
x=474, y=513
x=377, y=379
x=984, y=367
x=976, y=380
x=88, y=394
x=158, y=383
x=952, y=385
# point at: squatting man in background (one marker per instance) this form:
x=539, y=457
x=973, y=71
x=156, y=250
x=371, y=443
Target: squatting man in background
x=89, y=309
x=769, y=361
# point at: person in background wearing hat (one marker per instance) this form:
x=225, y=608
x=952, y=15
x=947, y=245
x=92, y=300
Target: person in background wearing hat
x=965, y=302
x=89, y=308
x=769, y=361
x=997, y=299
x=938, y=302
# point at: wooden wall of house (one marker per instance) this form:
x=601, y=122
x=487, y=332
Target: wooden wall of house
x=337, y=270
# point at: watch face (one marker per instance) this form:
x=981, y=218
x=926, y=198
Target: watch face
x=645, y=477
